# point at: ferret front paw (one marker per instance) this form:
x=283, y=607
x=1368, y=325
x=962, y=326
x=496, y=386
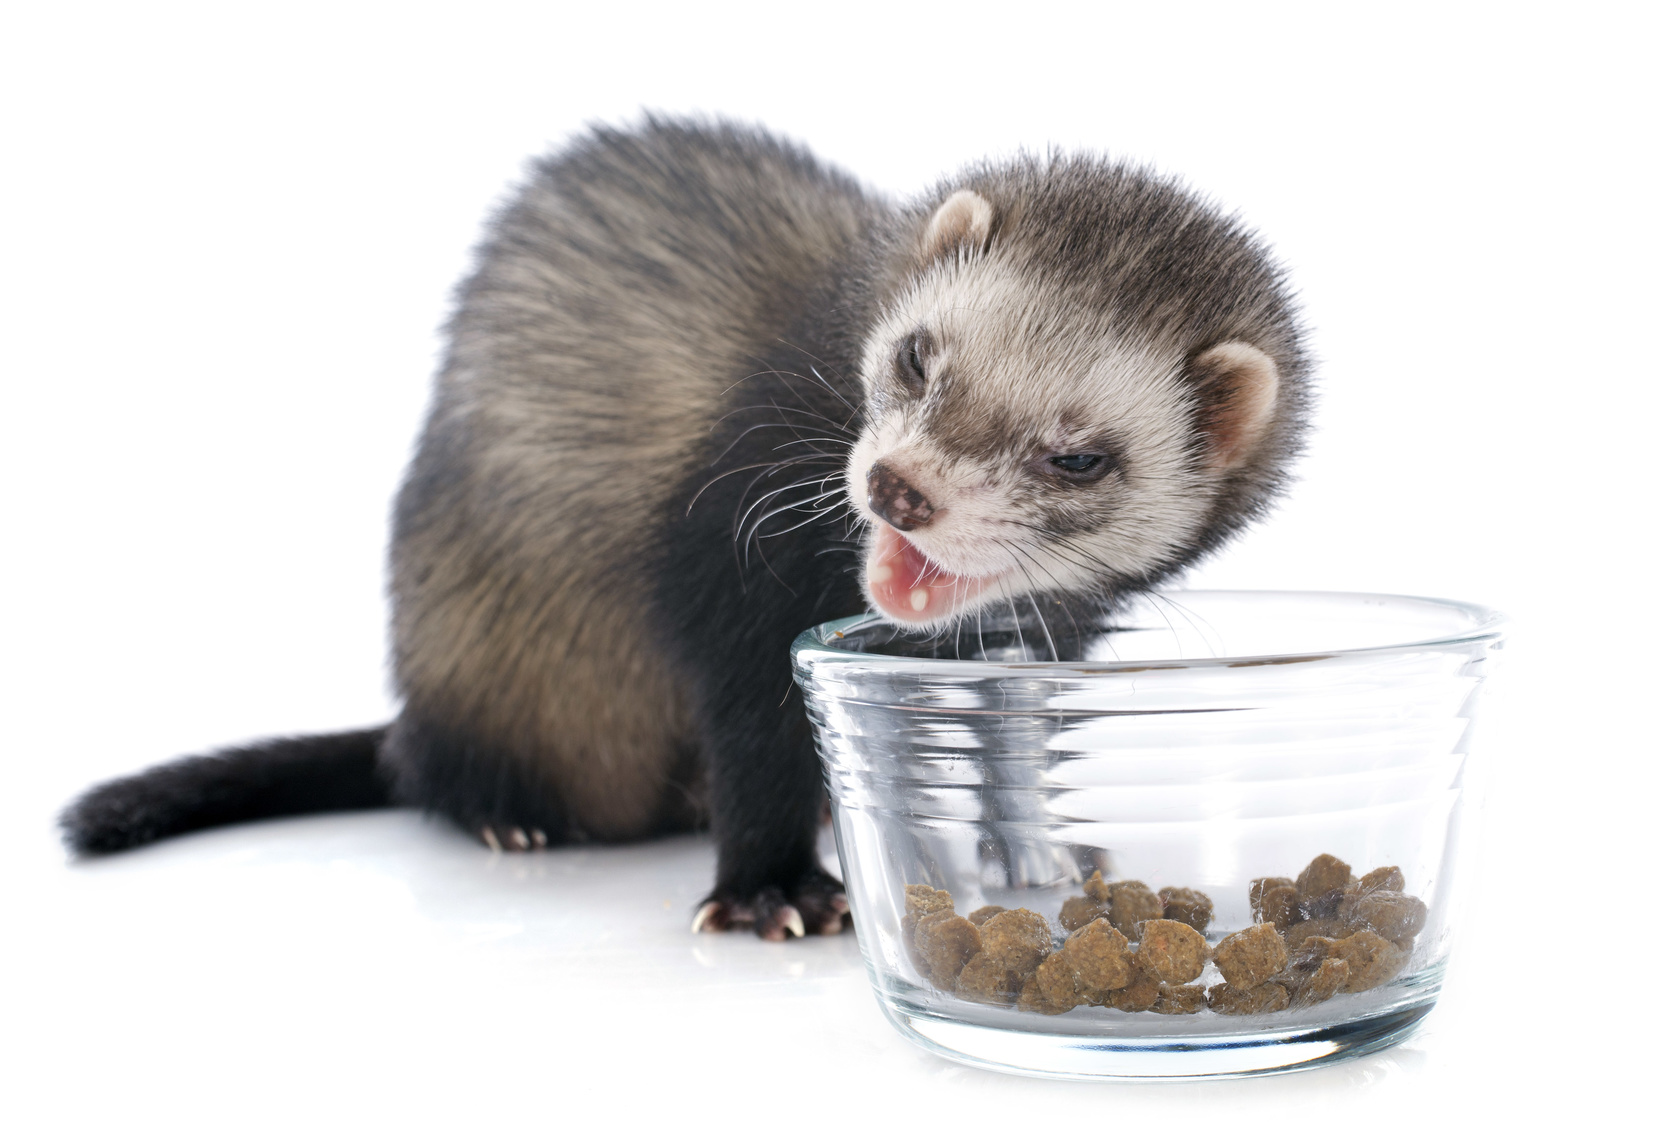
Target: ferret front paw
x=510, y=837
x=815, y=905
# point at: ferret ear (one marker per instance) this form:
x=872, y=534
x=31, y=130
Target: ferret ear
x=1238, y=386
x=966, y=218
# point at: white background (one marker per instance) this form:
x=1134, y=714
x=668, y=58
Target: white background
x=229, y=234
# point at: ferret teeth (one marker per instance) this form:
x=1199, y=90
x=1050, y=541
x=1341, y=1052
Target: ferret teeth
x=490, y=838
x=703, y=916
x=882, y=572
x=919, y=598
x=794, y=923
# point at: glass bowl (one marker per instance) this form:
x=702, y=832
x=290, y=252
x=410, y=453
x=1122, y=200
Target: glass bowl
x=1262, y=753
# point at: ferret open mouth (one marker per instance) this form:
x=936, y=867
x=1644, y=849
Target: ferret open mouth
x=910, y=588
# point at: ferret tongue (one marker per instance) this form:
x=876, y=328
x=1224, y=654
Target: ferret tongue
x=905, y=584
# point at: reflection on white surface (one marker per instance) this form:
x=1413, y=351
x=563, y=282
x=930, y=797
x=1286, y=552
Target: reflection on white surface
x=379, y=966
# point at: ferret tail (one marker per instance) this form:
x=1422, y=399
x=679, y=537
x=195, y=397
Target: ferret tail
x=285, y=776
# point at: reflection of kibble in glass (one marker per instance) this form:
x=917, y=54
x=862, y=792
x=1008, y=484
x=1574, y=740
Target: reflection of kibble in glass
x=1323, y=933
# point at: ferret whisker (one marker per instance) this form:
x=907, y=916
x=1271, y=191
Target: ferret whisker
x=824, y=419
x=766, y=516
x=768, y=498
x=817, y=375
x=800, y=524
x=806, y=460
x=1046, y=631
x=741, y=511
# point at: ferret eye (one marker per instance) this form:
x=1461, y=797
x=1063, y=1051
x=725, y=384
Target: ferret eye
x=910, y=361
x=1082, y=468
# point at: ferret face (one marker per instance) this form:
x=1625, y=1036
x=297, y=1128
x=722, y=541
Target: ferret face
x=1014, y=447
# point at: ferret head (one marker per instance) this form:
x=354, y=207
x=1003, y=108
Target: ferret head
x=1083, y=380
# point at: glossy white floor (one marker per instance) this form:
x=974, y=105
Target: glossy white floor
x=363, y=970
x=229, y=233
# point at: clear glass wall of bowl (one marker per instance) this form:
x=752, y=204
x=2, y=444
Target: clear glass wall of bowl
x=1200, y=740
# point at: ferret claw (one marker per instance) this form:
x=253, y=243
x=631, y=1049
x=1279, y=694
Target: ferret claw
x=538, y=836
x=701, y=922
x=518, y=839
x=490, y=838
x=794, y=922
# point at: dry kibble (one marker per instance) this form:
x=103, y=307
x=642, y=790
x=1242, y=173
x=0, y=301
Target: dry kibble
x=1135, y=997
x=1079, y=911
x=1132, y=902
x=1300, y=932
x=1175, y=999
x=1372, y=960
x=1172, y=951
x=1183, y=904
x=1099, y=958
x=1388, y=914
x=1378, y=879
x=1249, y=957
x=1326, y=873
x=1032, y=1000
x=1260, y=887
x=1322, y=984
x=946, y=942
x=1324, y=933
x=1275, y=899
x=1055, y=983
x=985, y=979
x=923, y=900
x=1268, y=997
x=908, y=925
x=1018, y=939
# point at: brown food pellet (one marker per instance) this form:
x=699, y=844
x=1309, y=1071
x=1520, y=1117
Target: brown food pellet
x=1251, y=956
x=1055, y=983
x=1096, y=889
x=1300, y=932
x=1378, y=879
x=1372, y=960
x=1313, y=950
x=1323, y=907
x=923, y=900
x=1079, y=911
x=946, y=942
x=1275, y=899
x=910, y=923
x=1032, y=1000
x=983, y=913
x=1283, y=906
x=1135, y=997
x=985, y=979
x=1325, y=873
x=1099, y=958
x=1388, y=914
x=1018, y=939
x=1322, y=984
x=1183, y=904
x=1132, y=902
x=1175, y=999
x=1268, y=997
x=1172, y=951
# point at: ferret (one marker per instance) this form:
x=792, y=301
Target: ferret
x=704, y=391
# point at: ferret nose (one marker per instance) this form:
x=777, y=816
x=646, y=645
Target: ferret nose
x=899, y=503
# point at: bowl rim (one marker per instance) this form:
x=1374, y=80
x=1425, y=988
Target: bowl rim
x=813, y=646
